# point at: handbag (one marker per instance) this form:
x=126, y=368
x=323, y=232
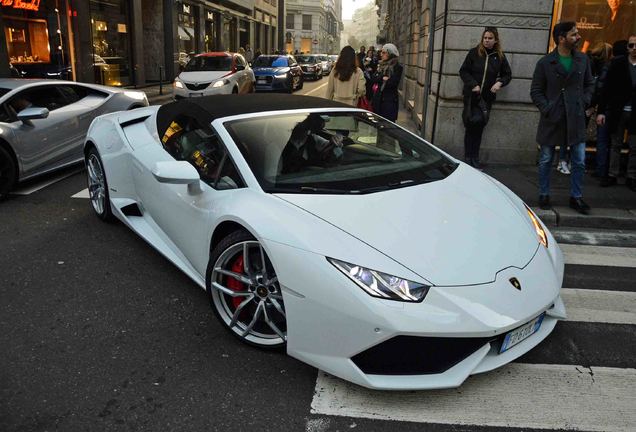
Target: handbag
x=363, y=103
x=476, y=114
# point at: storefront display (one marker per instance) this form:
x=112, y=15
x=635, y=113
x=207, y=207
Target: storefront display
x=110, y=22
x=35, y=38
x=598, y=21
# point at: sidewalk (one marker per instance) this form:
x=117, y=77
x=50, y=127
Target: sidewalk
x=612, y=208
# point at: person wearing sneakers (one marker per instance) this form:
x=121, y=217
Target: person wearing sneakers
x=563, y=166
x=562, y=88
x=617, y=108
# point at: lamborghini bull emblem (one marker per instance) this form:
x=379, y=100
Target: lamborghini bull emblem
x=515, y=283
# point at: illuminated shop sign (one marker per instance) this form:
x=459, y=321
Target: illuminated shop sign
x=33, y=5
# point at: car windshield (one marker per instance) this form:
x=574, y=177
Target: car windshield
x=322, y=58
x=207, y=63
x=335, y=152
x=270, y=61
x=306, y=59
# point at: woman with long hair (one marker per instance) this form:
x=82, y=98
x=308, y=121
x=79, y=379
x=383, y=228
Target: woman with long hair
x=385, y=83
x=346, y=82
x=484, y=72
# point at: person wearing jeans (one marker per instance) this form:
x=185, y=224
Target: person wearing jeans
x=577, y=169
x=562, y=88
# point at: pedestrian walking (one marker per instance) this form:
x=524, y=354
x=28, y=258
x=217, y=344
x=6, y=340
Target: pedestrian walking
x=385, y=83
x=346, y=81
x=361, y=55
x=249, y=55
x=484, y=72
x=562, y=87
x=370, y=67
x=617, y=109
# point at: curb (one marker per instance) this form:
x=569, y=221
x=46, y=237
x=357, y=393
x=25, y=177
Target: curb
x=609, y=218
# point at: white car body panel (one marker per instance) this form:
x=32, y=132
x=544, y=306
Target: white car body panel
x=455, y=243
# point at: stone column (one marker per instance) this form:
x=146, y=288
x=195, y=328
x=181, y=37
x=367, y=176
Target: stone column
x=138, y=44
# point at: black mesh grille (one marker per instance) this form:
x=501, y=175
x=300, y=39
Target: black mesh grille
x=412, y=355
x=200, y=86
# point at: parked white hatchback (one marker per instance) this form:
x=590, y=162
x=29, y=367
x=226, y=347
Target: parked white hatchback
x=214, y=73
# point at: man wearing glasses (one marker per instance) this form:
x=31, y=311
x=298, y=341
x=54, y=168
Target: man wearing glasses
x=617, y=107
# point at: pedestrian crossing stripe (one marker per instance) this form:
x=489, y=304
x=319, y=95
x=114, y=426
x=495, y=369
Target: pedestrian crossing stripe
x=599, y=306
x=517, y=395
x=609, y=256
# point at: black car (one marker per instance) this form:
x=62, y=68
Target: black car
x=277, y=72
x=311, y=65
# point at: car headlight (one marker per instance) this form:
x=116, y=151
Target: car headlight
x=281, y=76
x=543, y=237
x=218, y=84
x=178, y=84
x=135, y=95
x=382, y=285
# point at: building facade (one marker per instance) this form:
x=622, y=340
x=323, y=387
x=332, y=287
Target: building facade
x=313, y=26
x=362, y=29
x=434, y=36
x=127, y=42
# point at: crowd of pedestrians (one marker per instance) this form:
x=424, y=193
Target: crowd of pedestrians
x=577, y=94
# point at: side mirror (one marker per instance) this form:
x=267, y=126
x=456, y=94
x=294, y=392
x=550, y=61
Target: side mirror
x=28, y=114
x=178, y=172
x=239, y=67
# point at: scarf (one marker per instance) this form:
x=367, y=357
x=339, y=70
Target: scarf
x=386, y=67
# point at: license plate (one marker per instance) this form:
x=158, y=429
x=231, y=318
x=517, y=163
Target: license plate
x=196, y=94
x=261, y=80
x=520, y=333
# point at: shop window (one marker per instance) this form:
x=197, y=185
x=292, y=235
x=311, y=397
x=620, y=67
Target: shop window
x=289, y=20
x=111, y=42
x=27, y=41
x=598, y=22
x=306, y=22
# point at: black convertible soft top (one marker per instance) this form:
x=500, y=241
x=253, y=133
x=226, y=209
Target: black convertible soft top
x=206, y=109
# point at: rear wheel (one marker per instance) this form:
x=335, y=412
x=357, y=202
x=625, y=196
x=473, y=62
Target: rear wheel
x=244, y=291
x=8, y=173
x=97, y=186
x=235, y=90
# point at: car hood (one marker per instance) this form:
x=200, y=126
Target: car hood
x=269, y=70
x=458, y=231
x=202, y=77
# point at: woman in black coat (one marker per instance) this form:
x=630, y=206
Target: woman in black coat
x=385, y=81
x=476, y=86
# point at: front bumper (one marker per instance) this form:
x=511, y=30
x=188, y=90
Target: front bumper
x=270, y=83
x=182, y=93
x=332, y=324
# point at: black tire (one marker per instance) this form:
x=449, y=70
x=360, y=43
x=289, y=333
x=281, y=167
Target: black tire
x=239, y=313
x=235, y=90
x=8, y=173
x=98, y=186
x=302, y=83
x=290, y=85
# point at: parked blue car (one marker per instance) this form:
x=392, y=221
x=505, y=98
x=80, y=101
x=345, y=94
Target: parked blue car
x=277, y=73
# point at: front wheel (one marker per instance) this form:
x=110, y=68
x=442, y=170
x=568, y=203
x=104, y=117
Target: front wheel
x=244, y=292
x=8, y=173
x=97, y=186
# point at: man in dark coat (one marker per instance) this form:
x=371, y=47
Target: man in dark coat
x=617, y=108
x=562, y=88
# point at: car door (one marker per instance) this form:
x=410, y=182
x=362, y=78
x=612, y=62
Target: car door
x=42, y=144
x=183, y=217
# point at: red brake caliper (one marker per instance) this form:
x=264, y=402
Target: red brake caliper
x=233, y=284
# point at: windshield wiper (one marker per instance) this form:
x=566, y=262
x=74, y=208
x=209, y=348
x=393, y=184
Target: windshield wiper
x=393, y=185
x=324, y=190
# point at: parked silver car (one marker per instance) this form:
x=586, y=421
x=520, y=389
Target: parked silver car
x=43, y=123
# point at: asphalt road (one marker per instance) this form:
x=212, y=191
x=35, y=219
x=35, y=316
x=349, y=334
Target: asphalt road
x=100, y=332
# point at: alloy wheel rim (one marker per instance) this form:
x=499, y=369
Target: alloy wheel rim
x=248, y=297
x=96, y=184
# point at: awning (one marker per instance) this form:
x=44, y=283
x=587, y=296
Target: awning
x=185, y=33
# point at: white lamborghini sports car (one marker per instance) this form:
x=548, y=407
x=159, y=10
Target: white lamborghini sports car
x=330, y=231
